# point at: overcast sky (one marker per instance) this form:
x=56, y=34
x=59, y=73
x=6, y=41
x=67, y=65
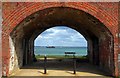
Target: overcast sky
x=60, y=36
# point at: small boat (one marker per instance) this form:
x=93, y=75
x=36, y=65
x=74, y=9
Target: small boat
x=50, y=47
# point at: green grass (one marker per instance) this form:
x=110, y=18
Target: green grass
x=60, y=56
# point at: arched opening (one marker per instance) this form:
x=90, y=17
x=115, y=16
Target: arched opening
x=55, y=41
x=100, y=40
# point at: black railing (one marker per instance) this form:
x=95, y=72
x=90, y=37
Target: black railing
x=74, y=62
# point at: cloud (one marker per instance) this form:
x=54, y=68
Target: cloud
x=60, y=36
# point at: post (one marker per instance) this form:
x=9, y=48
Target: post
x=45, y=61
x=74, y=64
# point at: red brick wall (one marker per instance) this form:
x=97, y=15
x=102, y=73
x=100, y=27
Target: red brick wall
x=119, y=37
x=14, y=13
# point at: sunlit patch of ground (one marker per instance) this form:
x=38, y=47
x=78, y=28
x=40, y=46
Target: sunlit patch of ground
x=57, y=67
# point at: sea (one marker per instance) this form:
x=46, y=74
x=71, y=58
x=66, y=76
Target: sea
x=42, y=50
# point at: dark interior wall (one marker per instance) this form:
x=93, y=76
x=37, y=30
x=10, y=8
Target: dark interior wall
x=18, y=44
x=106, y=53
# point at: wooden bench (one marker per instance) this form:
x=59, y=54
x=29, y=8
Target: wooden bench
x=69, y=52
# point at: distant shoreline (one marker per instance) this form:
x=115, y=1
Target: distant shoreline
x=60, y=56
x=65, y=46
x=56, y=55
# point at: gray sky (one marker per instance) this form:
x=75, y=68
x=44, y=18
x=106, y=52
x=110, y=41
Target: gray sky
x=60, y=36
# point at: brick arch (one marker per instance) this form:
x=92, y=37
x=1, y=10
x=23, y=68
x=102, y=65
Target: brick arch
x=19, y=14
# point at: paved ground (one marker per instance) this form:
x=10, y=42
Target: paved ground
x=57, y=67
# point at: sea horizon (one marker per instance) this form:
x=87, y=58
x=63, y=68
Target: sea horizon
x=60, y=50
x=62, y=46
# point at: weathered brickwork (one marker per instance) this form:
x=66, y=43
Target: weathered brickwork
x=107, y=13
x=119, y=36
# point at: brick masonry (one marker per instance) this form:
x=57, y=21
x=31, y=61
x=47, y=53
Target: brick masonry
x=119, y=37
x=14, y=13
x=0, y=41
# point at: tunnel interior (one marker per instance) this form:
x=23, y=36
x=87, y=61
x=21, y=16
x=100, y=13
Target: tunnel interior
x=99, y=38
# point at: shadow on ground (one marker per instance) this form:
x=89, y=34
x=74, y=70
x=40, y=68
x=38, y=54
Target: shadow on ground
x=64, y=65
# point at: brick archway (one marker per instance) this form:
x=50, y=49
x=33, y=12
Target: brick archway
x=17, y=13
